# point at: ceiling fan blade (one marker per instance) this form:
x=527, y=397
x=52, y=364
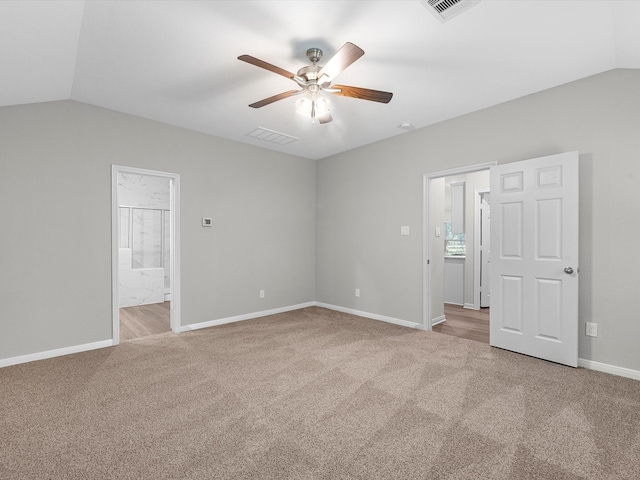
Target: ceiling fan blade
x=362, y=93
x=344, y=57
x=325, y=118
x=267, y=66
x=275, y=98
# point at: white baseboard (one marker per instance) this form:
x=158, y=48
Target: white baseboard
x=471, y=306
x=373, y=316
x=239, y=318
x=5, y=362
x=606, y=368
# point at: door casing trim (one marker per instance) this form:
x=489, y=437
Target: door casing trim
x=427, y=227
x=174, y=256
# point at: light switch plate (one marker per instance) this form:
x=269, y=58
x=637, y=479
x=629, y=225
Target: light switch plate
x=437, y=231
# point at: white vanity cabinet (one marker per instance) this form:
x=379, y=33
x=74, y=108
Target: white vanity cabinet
x=454, y=279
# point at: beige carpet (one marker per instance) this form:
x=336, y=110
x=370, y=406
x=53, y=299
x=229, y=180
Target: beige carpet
x=314, y=394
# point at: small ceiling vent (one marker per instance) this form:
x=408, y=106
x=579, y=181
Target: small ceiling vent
x=271, y=136
x=445, y=10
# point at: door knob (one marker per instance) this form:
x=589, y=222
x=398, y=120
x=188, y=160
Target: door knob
x=568, y=270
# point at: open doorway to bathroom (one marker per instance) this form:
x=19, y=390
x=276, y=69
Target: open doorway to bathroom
x=145, y=253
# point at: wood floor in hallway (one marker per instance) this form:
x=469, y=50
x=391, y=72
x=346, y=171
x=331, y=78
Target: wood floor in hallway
x=144, y=320
x=465, y=323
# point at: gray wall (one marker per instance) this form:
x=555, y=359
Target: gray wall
x=55, y=212
x=473, y=181
x=364, y=195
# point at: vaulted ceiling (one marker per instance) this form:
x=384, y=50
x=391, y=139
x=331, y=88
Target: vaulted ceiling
x=176, y=61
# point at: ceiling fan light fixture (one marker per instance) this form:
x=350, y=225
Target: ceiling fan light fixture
x=313, y=107
x=303, y=106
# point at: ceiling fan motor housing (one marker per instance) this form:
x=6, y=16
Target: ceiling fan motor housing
x=310, y=72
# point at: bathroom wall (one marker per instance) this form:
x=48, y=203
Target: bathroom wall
x=144, y=275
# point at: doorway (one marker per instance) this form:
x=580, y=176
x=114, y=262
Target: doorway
x=145, y=252
x=456, y=250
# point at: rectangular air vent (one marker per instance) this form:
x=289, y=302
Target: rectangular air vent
x=271, y=136
x=445, y=10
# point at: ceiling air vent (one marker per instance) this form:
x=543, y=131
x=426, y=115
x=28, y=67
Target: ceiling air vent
x=271, y=136
x=445, y=10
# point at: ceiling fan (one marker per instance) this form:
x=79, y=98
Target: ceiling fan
x=315, y=79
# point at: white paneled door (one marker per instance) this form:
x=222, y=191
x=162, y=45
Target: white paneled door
x=534, y=257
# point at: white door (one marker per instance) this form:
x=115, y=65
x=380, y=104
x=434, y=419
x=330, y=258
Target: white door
x=534, y=257
x=485, y=250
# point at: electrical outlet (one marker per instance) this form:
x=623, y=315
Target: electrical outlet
x=261, y=293
x=357, y=292
x=591, y=329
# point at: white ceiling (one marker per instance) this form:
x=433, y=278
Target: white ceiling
x=176, y=61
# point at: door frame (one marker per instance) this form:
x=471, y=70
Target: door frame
x=174, y=244
x=427, y=228
x=476, y=246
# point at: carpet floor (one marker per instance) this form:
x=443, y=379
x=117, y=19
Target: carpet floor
x=314, y=394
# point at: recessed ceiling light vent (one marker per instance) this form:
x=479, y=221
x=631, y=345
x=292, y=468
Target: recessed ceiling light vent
x=445, y=10
x=271, y=136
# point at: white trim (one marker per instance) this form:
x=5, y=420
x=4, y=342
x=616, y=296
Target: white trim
x=115, y=241
x=477, y=203
x=373, y=316
x=58, y=352
x=174, y=252
x=461, y=170
x=246, y=316
x=426, y=237
x=438, y=320
x=174, y=260
x=606, y=368
x=470, y=306
x=426, y=255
